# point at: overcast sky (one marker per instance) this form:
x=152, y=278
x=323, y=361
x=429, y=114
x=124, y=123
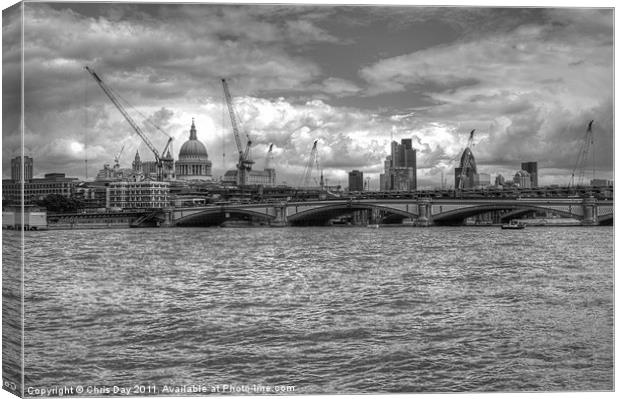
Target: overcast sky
x=528, y=80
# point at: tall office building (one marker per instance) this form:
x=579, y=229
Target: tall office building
x=532, y=169
x=400, y=168
x=17, y=166
x=356, y=180
x=403, y=154
x=523, y=179
x=499, y=180
x=466, y=175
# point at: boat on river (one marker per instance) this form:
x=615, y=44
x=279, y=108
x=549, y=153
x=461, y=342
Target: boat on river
x=513, y=225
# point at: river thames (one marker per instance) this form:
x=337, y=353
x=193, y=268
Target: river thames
x=324, y=310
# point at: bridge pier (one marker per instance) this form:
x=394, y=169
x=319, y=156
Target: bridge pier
x=375, y=216
x=281, y=216
x=361, y=218
x=590, y=211
x=424, y=212
x=357, y=218
x=168, y=218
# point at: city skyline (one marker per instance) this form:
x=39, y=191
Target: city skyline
x=356, y=78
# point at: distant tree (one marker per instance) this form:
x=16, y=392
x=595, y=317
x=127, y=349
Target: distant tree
x=57, y=203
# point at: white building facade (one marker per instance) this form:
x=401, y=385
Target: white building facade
x=138, y=195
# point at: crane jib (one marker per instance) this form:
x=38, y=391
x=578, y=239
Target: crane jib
x=128, y=118
x=245, y=163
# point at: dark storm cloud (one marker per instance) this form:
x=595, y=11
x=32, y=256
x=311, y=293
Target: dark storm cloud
x=11, y=90
x=352, y=77
x=528, y=82
x=191, y=43
x=153, y=61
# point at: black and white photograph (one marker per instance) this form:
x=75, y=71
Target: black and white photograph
x=248, y=199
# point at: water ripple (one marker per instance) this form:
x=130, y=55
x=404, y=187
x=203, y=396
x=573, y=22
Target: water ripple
x=328, y=310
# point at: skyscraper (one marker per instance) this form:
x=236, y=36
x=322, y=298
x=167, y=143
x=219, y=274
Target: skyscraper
x=523, y=179
x=532, y=169
x=465, y=176
x=356, y=180
x=400, y=167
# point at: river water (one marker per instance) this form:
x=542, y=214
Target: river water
x=325, y=310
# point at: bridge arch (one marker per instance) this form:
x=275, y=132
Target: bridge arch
x=217, y=216
x=322, y=214
x=606, y=220
x=458, y=215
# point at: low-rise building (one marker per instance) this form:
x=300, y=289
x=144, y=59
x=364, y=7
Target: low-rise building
x=601, y=183
x=116, y=173
x=265, y=177
x=482, y=180
x=138, y=195
x=149, y=169
x=92, y=195
x=30, y=218
x=37, y=189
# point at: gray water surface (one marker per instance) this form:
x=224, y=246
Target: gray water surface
x=327, y=310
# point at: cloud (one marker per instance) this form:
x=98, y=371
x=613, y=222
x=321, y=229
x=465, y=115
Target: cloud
x=338, y=87
x=161, y=118
x=527, y=80
x=529, y=91
x=155, y=63
x=179, y=51
x=304, y=31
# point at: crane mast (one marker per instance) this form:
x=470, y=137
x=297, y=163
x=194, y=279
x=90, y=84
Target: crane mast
x=582, y=158
x=117, y=158
x=244, y=165
x=158, y=159
x=313, y=161
x=470, y=141
x=269, y=160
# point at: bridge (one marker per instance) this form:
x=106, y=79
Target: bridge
x=415, y=211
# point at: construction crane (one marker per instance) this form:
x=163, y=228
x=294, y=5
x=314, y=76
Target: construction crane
x=117, y=158
x=160, y=160
x=467, y=164
x=470, y=141
x=269, y=159
x=244, y=165
x=582, y=158
x=313, y=161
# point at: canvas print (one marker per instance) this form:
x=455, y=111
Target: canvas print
x=293, y=199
